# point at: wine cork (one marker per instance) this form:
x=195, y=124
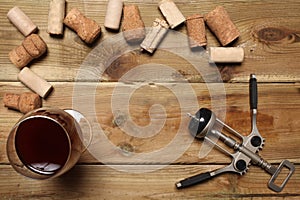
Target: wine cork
x=171, y=12
x=21, y=21
x=133, y=25
x=24, y=102
x=33, y=46
x=35, y=82
x=56, y=17
x=196, y=31
x=11, y=101
x=221, y=25
x=20, y=57
x=113, y=14
x=226, y=54
x=155, y=35
x=87, y=29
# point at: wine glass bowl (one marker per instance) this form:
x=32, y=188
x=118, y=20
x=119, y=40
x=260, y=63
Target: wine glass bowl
x=45, y=143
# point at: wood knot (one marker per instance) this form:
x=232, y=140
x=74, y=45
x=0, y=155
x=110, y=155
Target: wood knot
x=126, y=148
x=119, y=119
x=272, y=34
x=121, y=65
x=226, y=73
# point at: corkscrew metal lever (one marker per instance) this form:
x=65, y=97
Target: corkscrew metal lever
x=205, y=124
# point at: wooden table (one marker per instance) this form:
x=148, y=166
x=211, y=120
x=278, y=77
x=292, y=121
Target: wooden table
x=270, y=36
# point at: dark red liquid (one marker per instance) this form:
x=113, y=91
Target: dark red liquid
x=42, y=145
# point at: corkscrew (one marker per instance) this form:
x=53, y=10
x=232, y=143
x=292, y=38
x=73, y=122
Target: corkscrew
x=205, y=124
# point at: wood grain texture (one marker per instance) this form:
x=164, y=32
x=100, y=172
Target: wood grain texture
x=270, y=36
x=102, y=182
x=278, y=120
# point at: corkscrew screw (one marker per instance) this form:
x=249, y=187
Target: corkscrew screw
x=205, y=124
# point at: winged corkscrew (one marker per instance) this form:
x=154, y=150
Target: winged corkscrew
x=205, y=123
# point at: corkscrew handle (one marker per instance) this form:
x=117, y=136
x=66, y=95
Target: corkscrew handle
x=193, y=180
x=199, y=178
x=253, y=91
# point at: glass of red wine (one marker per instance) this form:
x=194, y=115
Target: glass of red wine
x=47, y=142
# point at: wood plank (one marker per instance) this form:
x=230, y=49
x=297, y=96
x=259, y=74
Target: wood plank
x=270, y=38
x=278, y=121
x=102, y=182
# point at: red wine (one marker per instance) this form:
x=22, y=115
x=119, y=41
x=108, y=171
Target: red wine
x=42, y=145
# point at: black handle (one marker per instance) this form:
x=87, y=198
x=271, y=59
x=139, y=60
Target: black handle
x=253, y=92
x=193, y=180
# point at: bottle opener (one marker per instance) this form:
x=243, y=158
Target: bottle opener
x=203, y=123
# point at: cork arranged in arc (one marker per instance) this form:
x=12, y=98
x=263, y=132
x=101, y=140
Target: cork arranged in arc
x=171, y=12
x=226, y=54
x=33, y=46
x=23, y=23
x=133, y=25
x=87, y=29
x=24, y=102
x=196, y=31
x=35, y=82
x=56, y=17
x=155, y=35
x=219, y=22
x=113, y=14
